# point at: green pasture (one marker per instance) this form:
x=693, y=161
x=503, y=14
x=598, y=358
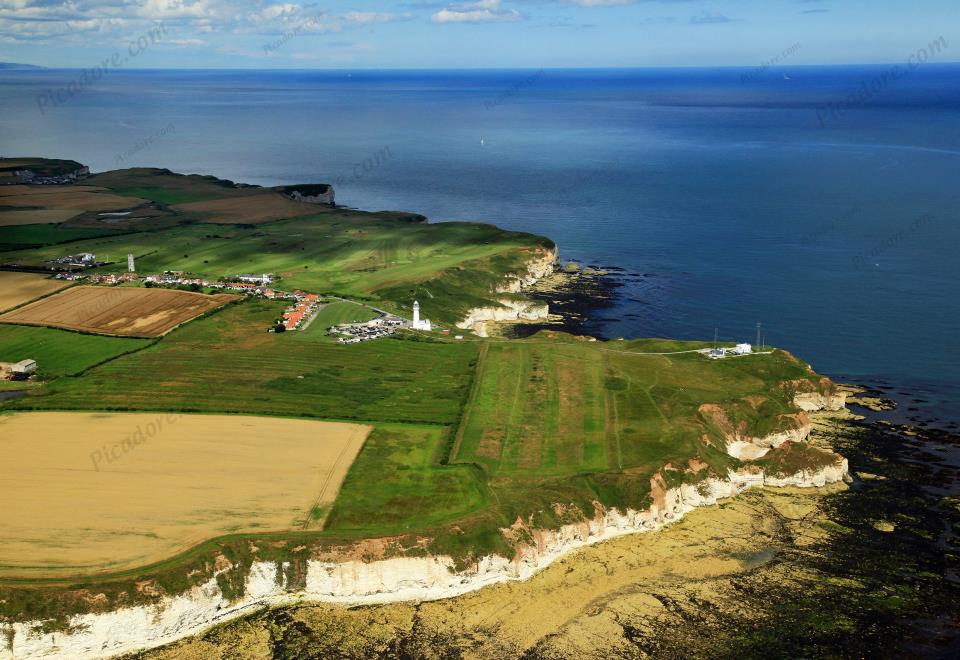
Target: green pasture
x=450, y=267
x=549, y=407
x=61, y=352
x=17, y=236
x=336, y=313
x=397, y=485
x=228, y=362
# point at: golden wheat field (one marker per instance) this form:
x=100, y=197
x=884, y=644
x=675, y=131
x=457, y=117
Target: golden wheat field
x=103, y=492
x=120, y=311
x=18, y=288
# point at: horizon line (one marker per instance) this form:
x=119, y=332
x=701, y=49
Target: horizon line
x=34, y=67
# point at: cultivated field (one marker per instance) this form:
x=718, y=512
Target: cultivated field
x=252, y=209
x=35, y=216
x=105, y=492
x=18, y=288
x=85, y=198
x=118, y=311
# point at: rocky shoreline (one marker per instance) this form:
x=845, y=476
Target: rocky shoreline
x=548, y=296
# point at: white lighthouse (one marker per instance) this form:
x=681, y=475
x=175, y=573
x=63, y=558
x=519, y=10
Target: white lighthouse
x=130, y=266
x=419, y=324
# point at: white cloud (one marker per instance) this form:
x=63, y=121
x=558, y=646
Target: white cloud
x=602, y=3
x=483, y=11
x=711, y=18
x=111, y=21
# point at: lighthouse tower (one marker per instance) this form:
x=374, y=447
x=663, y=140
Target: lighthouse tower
x=418, y=323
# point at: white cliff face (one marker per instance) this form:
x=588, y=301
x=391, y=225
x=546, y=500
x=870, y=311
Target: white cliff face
x=743, y=444
x=811, y=401
x=537, y=269
x=748, y=448
x=806, y=478
x=388, y=580
x=383, y=581
x=514, y=310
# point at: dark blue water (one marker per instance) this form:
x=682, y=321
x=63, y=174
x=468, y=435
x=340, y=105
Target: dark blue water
x=733, y=202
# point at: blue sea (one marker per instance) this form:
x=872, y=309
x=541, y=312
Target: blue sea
x=822, y=202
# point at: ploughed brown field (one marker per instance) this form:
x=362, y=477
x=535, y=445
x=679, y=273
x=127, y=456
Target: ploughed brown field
x=120, y=311
x=250, y=209
x=78, y=198
x=105, y=492
x=36, y=217
x=18, y=288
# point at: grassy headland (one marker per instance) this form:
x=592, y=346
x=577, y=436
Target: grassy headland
x=468, y=435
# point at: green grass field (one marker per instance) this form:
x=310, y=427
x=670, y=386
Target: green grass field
x=60, y=352
x=336, y=313
x=164, y=186
x=450, y=267
x=413, y=491
x=468, y=435
x=559, y=407
x=228, y=362
x=17, y=236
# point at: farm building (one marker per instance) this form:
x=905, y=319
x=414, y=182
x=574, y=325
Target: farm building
x=17, y=370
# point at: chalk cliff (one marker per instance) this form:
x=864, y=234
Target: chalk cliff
x=350, y=580
x=745, y=444
x=312, y=193
x=514, y=310
x=537, y=268
x=809, y=397
x=510, y=310
x=395, y=579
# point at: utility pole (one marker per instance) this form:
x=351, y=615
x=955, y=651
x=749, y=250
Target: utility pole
x=758, y=334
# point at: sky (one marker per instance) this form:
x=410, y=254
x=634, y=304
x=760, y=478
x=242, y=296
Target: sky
x=376, y=34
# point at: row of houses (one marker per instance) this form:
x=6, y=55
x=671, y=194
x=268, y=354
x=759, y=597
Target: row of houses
x=31, y=177
x=113, y=278
x=301, y=310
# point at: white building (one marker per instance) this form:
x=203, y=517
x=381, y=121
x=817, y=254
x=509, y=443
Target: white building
x=743, y=349
x=130, y=266
x=255, y=279
x=418, y=323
